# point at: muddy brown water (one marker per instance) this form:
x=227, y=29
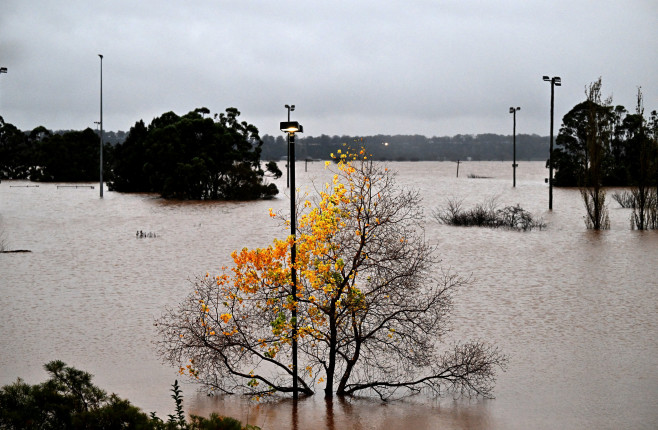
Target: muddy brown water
x=576, y=310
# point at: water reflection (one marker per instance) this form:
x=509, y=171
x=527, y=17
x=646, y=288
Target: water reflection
x=355, y=413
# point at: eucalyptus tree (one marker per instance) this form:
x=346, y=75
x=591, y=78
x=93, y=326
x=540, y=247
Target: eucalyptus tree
x=193, y=157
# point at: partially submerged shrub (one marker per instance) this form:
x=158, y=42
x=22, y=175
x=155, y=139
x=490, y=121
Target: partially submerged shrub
x=517, y=218
x=644, y=203
x=482, y=215
x=597, y=212
x=487, y=215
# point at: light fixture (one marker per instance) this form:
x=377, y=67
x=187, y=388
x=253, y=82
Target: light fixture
x=291, y=127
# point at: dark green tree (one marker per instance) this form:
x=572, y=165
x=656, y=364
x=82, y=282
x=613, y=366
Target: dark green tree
x=194, y=157
x=16, y=152
x=599, y=143
x=570, y=155
x=128, y=169
x=69, y=157
x=68, y=400
x=643, y=163
x=599, y=131
x=616, y=164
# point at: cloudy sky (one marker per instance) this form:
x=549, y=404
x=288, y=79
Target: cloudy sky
x=430, y=67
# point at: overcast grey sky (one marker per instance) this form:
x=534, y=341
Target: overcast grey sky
x=358, y=68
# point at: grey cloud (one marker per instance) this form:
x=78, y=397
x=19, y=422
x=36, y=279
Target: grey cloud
x=415, y=67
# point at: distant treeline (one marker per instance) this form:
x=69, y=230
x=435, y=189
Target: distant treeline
x=481, y=147
x=110, y=137
x=202, y=156
x=73, y=156
x=194, y=156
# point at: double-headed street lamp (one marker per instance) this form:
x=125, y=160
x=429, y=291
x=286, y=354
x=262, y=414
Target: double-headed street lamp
x=555, y=81
x=290, y=108
x=292, y=127
x=513, y=110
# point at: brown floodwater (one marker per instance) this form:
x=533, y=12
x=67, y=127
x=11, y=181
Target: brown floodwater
x=575, y=310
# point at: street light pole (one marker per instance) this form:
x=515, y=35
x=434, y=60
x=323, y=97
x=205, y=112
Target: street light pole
x=514, y=165
x=290, y=128
x=3, y=70
x=101, y=124
x=290, y=108
x=555, y=81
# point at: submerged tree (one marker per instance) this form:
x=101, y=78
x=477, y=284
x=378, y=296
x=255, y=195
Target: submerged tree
x=599, y=131
x=643, y=169
x=624, y=143
x=371, y=306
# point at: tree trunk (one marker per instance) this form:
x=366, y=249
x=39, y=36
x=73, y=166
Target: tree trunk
x=331, y=369
x=350, y=363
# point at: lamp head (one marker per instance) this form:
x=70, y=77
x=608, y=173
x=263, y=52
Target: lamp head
x=291, y=127
x=3, y=70
x=546, y=78
x=557, y=81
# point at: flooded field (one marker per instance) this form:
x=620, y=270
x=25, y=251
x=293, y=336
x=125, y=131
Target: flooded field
x=576, y=310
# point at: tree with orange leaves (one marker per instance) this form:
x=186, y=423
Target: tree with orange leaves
x=372, y=305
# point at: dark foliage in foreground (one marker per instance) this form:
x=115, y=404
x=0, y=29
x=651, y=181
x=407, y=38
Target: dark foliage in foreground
x=488, y=215
x=68, y=400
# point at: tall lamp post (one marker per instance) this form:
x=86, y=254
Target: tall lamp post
x=292, y=127
x=3, y=70
x=290, y=109
x=555, y=81
x=513, y=111
x=101, y=124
